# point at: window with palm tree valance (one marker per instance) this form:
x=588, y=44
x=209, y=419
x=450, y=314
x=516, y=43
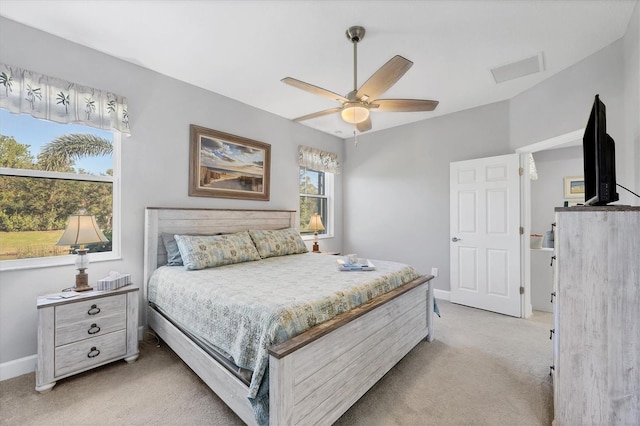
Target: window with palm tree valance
x=317, y=159
x=317, y=169
x=49, y=98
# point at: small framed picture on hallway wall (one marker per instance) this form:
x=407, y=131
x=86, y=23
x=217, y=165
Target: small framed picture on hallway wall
x=574, y=187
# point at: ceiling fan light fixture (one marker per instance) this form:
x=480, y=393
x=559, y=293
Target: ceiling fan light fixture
x=354, y=114
x=356, y=105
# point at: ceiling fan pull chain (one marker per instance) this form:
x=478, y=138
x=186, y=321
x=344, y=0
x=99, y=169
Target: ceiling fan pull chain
x=355, y=139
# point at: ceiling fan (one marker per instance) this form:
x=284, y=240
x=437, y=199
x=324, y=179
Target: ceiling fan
x=357, y=103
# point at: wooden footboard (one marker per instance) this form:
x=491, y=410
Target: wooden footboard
x=314, y=377
x=317, y=376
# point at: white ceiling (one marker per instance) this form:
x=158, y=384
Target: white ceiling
x=241, y=49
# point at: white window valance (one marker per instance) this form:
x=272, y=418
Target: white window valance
x=316, y=159
x=53, y=99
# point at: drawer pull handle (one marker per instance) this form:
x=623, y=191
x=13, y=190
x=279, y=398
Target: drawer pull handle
x=94, y=352
x=94, y=329
x=94, y=310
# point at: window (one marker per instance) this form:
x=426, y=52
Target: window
x=47, y=172
x=315, y=180
x=316, y=192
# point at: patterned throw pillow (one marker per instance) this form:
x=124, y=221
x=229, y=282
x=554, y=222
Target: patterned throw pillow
x=208, y=251
x=278, y=243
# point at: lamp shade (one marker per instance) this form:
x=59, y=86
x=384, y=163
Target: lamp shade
x=315, y=223
x=81, y=229
x=354, y=113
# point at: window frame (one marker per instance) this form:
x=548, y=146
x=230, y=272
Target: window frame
x=328, y=223
x=115, y=179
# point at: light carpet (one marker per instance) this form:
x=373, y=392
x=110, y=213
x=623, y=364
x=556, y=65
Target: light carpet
x=482, y=369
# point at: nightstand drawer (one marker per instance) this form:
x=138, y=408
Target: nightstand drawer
x=92, y=327
x=88, y=330
x=86, y=353
x=90, y=309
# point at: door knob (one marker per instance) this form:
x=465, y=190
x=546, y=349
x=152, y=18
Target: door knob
x=456, y=239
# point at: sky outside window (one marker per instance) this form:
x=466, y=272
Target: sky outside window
x=36, y=133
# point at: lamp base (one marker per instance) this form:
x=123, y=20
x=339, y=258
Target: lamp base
x=316, y=248
x=82, y=282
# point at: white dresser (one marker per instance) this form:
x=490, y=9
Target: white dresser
x=597, y=316
x=83, y=332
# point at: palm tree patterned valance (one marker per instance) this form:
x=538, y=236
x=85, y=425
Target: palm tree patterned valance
x=316, y=159
x=49, y=98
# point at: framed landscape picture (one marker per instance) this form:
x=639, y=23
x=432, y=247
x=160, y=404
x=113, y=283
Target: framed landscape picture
x=574, y=187
x=227, y=166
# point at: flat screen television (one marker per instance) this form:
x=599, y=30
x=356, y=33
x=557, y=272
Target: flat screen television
x=599, y=159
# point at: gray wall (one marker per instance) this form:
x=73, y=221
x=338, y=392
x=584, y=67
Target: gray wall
x=547, y=192
x=396, y=185
x=631, y=46
x=396, y=181
x=155, y=161
x=562, y=104
x=396, y=192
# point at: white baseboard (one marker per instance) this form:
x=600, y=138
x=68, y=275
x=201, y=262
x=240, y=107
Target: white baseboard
x=442, y=294
x=18, y=367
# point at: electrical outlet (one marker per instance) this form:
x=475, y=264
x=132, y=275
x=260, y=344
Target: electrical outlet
x=434, y=272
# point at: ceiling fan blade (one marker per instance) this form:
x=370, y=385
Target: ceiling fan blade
x=314, y=89
x=318, y=114
x=386, y=76
x=365, y=125
x=404, y=105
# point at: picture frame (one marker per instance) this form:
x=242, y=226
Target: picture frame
x=574, y=187
x=223, y=165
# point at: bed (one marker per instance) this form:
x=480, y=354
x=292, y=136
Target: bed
x=311, y=377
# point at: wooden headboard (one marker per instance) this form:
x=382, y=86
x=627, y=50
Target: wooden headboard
x=202, y=222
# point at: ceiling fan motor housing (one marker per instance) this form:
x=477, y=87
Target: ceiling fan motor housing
x=355, y=109
x=355, y=33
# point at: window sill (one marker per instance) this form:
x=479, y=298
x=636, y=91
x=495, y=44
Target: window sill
x=21, y=264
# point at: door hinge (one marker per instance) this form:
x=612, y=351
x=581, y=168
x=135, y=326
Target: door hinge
x=520, y=171
x=521, y=290
x=521, y=230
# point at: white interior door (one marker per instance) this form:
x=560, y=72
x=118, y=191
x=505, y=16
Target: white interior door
x=485, y=233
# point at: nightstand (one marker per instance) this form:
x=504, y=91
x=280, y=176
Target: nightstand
x=85, y=331
x=333, y=253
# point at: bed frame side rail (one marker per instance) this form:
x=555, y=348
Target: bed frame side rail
x=225, y=385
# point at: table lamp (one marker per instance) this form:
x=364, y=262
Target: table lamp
x=81, y=229
x=315, y=225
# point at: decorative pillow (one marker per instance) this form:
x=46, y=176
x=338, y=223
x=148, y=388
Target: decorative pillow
x=208, y=251
x=173, y=253
x=278, y=243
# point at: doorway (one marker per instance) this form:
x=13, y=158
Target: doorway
x=558, y=160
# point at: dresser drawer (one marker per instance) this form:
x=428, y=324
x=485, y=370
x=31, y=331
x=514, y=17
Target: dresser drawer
x=90, y=309
x=89, y=352
x=88, y=328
